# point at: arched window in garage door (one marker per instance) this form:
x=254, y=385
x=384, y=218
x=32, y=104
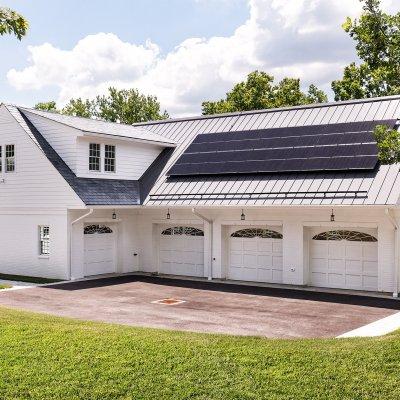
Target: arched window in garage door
x=182, y=230
x=351, y=236
x=96, y=229
x=257, y=232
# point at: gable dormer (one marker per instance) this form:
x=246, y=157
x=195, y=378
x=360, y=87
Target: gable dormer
x=98, y=149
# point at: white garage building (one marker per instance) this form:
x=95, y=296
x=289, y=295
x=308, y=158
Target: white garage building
x=289, y=196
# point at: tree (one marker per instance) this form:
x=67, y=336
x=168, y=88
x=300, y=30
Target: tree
x=388, y=142
x=47, y=106
x=377, y=37
x=126, y=106
x=12, y=23
x=79, y=108
x=260, y=92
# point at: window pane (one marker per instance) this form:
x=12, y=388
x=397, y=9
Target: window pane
x=10, y=158
x=94, y=157
x=109, y=158
x=44, y=240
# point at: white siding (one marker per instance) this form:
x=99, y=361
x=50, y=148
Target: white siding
x=35, y=183
x=132, y=159
x=61, y=137
x=19, y=238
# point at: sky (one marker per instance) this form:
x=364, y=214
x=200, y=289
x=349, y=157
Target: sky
x=182, y=51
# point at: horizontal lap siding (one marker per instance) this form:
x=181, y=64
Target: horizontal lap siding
x=36, y=183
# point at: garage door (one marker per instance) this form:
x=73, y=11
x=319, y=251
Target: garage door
x=182, y=251
x=99, y=250
x=255, y=254
x=344, y=259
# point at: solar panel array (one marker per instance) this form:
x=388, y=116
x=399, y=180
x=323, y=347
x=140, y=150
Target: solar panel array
x=345, y=146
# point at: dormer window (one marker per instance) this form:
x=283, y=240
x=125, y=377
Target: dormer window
x=94, y=157
x=109, y=158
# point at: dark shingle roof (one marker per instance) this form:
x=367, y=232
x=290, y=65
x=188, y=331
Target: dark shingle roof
x=92, y=191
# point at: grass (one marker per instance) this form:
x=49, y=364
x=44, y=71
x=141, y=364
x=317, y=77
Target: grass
x=44, y=357
x=29, y=279
x=5, y=286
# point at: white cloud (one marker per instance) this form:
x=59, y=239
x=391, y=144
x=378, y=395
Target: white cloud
x=299, y=38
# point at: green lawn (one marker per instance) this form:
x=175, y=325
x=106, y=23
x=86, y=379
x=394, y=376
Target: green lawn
x=43, y=357
x=5, y=286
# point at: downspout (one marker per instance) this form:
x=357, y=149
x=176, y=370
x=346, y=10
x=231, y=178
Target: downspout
x=210, y=274
x=70, y=240
x=396, y=252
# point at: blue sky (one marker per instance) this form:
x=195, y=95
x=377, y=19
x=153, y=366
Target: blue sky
x=183, y=51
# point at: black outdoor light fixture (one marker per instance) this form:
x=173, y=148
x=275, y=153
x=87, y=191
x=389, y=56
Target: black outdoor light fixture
x=114, y=215
x=168, y=214
x=332, y=216
x=243, y=217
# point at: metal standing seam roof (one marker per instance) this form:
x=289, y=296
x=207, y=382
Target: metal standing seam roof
x=381, y=186
x=89, y=125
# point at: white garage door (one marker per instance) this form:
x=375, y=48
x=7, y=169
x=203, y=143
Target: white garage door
x=182, y=251
x=255, y=254
x=344, y=259
x=99, y=250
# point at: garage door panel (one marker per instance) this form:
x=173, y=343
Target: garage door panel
x=354, y=267
x=181, y=251
x=336, y=280
x=338, y=262
x=250, y=245
x=264, y=261
x=256, y=258
x=277, y=262
x=370, y=268
x=354, y=251
x=277, y=246
x=318, y=265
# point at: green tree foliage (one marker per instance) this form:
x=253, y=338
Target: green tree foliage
x=377, y=37
x=12, y=23
x=260, y=92
x=47, y=106
x=126, y=106
x=388, y=141
x=79, y=108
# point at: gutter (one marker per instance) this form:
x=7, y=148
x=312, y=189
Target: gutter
x=210, y=222
x=396, y=252
x=70, y=240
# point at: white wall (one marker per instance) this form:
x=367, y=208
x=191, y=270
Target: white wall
x=61, y=137
x=294, y=222
x=19, y=240
x=35, y=194
x=132, y=158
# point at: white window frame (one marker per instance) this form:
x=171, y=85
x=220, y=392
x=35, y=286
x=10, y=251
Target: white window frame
x=106, y=158
x=44, y=241
x=90, y=156
x=6, y=158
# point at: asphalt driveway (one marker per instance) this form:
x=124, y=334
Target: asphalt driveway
x=206, y=307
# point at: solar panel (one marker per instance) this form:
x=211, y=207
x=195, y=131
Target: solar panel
x=331, y=147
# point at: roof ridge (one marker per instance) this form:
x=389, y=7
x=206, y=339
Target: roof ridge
x=270, y=110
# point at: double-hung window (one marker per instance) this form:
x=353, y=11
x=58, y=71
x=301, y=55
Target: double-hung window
x=94, y=157
x=109, y=158
x=10, y=158
x=44, y=240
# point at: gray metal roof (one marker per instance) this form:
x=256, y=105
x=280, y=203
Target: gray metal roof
x=88, y=125
x=381, y=186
